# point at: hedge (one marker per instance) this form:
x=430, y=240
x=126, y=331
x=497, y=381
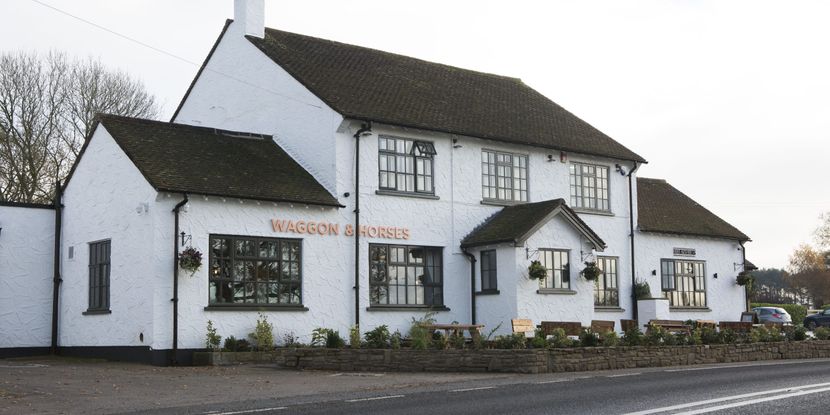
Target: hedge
x=797, y=311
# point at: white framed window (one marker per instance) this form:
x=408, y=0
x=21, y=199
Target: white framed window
x=589, y=187
x=684, y=282
x=405, y=165
x=489, y=278
x=606, y=287
x=503, y=176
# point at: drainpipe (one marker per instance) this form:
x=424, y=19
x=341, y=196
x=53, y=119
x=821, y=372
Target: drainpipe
x=174, y=360
x=746, y=292
x=56, y=281
x=631, y=229
x=365, y=129
x=472, y=259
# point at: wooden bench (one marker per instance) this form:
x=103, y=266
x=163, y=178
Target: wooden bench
x=627, y=325
x=736, y=326
x=572, y=328
x=602, y=326
x=671, y=326
x=521, y=325
x=456, y=329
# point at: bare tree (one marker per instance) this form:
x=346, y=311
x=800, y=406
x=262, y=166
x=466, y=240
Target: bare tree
x=809, y=272
x=47, y=109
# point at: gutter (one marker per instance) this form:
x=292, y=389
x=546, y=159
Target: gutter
x=472, y=259
x=634, y=311
x=366, y=129
x=174, y=359
x=57, y=280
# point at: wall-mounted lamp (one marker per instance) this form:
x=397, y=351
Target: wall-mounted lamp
x=550, y=157
x=654, y=272
x=715, y=275
x=1, y=230
x=620, y=169
x=455, y=143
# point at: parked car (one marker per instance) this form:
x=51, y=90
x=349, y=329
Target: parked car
x=818, y=320
x=773, y=315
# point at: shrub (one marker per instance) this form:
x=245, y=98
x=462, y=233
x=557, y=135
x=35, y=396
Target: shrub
x=263, y=335
x=457, y=340
x=334, y=341
x=728, y=336
x=420, y=336
x=610, y=339
x=510, y=341
x=212, y=340
x=797, y=333
x=354, y=336
x=558, y=339
x=234, y=345
x=290, y=340
x=633, y=337
x=642, y=290
x=655, y=336
x=796, y=311
x=378, y=338
x=588, y=338
x=822, y=333
x=395, y=340
x=538, y=341
x=708, y=335
x=439, y=341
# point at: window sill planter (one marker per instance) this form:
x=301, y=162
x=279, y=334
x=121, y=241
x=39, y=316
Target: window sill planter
x=96, y=312
x=488, y=292
x=218, y=307
x=406, y=194
x=690, y=309
x=555, y=291
x=608, y=309
x=407, y=308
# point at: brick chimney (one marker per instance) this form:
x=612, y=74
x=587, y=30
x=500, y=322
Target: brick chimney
x=250, y=16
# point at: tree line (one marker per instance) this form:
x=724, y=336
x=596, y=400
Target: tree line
x=48, y=105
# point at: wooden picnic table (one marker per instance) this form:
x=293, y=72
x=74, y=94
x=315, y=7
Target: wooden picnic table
x=456, y=329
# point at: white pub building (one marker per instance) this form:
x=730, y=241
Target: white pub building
x=329, y=185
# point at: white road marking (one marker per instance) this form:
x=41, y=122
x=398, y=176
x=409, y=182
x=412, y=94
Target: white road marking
x=553, y=381
x=249, y=411
x=706, y=368
x=473, y=389
x=376, y=398
x=726, y=398
x=754, y=401
x=624, y=374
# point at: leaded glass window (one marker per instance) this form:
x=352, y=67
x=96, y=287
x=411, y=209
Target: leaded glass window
x=489, y=281
x=557, y=265
x=503, y=176
x=589, y=187
x=405, y=165
x=99, y=276
x=405, y=275
x=606, y=287
x=684, y=282
x=255, y=271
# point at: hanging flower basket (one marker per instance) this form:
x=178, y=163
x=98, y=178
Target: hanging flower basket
x=536, y=271
x=745, y=278
x=591, y=271
x=190, y=260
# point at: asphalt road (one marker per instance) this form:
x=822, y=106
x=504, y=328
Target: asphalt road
x=801, y=387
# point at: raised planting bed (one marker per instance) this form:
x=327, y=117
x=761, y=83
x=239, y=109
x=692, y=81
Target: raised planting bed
x=518, y=361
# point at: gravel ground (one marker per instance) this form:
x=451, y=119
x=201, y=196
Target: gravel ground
x=56, y=385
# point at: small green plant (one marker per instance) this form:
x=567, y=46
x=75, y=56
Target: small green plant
x=232, y=344
x=745, y=278
x=797, y=333
x=319, y=336
x=656, y=335
x=610, y=339
x=334, y=341
x=212, y=340
x=708, y=335
x=558, y=339
x=510, y=341
x=419, y=335
x=588, y=338
x=822, y=333
x=263, y=335
x=457, y=341
x=591, y=272
x=354, y=337
x=396, y=340
x=536, y=271
x=642, y=290
x=633, y=337
x=729, y=336
x=290, y=340
x=378, y=338
x=539, y=340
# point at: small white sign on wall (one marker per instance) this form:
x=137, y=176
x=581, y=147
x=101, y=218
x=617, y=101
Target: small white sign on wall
x=684, y=252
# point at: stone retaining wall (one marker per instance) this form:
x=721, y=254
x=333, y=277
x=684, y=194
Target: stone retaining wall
x=518, y=361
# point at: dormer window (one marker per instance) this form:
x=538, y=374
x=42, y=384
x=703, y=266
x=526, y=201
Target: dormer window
x=405, y=165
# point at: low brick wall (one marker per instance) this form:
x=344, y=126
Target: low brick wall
x=518, y=361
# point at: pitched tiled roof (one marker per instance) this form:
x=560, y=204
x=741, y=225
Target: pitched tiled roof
x=188, y=159
x=515, y=223
x=663, y=208
x=373, y=85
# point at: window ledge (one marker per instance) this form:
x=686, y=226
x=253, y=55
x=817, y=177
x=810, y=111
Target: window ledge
x=96, y=312
x=406, y=308
x=406, y=194
x=256, y=308
x=594, y=212
x=690, y=309
x=503, y=203
x=487, y=292
x=608, y=309
x=564, y=291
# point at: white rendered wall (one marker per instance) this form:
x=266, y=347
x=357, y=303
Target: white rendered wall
x=27, y=244
x=100, y=203
x=725, y=299
x=241, y=89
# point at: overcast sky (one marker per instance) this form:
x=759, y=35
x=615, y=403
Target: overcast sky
x=728, y=100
